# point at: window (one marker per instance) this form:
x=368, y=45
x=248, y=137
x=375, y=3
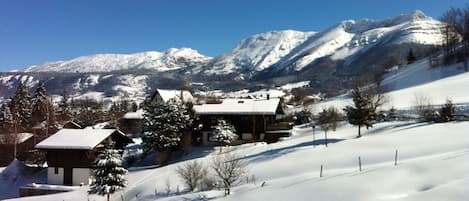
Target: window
x=56, y=170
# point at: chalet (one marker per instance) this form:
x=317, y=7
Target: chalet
x=163, y=95
x=20, y=143
x=71, y=153
x=131, y=123
x=253, y=119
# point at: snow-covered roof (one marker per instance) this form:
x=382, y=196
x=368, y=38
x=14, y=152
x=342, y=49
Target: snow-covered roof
x=168, y=94
x=240, y=106
x=76, y=139
x=134, y=115
x=21, y=137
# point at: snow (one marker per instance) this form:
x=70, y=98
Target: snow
x=75, y=139
x=418, y=79
x=134, y=115
x=15, y=175
x=259, y=52
x=131, y=85
x=240, y=106
x=291, y=86
x=21, y=137
x=169, y=94
x=162, y=61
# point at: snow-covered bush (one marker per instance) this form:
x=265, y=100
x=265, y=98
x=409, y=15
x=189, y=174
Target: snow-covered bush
x=224, y=133
x=109, y=173
x=192, y=173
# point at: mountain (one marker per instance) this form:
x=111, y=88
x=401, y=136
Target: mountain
x=172, y=59
x=348, y=40
x=330, y=60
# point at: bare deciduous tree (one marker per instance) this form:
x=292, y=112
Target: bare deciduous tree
x=192, y=173
x=424, y=107
x=229, y=168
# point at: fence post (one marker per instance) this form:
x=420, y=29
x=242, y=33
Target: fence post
x=360, y=163
x=320, y=173
x=395, y=159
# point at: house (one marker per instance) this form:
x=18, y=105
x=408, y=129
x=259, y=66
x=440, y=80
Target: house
x=71, y=153
x=24, y=143
x=131, y=123
x=253, y=119
x=163, y=95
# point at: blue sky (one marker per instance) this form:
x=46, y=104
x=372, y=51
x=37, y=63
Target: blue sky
x=33, y=31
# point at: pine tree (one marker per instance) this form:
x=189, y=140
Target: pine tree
x=164, y=124
x=362, y=112
x=410, y=57
x=393, y=114
x=224, y=133
x=64, y=106
x=20, y=107
x=109, y=173
x=40, y=105
x=447, y=111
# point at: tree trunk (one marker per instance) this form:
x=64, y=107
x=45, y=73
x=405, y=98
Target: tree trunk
x=359, y=131
x=325, y=135
x=108, y=197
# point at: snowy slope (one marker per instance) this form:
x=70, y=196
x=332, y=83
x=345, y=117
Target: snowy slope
x=259, y=52
x=428, y=168
x=162, y=61
x=351, y=38
x=418, y=79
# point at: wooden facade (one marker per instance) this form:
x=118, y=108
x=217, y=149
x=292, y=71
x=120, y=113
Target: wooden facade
x=73, y=166
x=250, y=127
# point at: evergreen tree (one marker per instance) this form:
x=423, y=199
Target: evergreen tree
x=393, y=114
x=40, y=105
x=362, y=112
x=109, y=173
x=447, y=111
x=224, y=133
x=410, y=57
x=20, y=107
x=64, y=106
x=163, y=125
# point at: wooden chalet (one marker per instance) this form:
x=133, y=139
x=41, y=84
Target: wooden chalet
x=21, y=143
x=164, y=95
x=71, y=153
x=253, y=119
x=131, y=123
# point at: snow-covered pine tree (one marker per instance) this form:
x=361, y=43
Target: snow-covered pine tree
x=362, y=112
x=224, y=133
x=163, y=125
x=64, y=106
x=40, y=105
x=109, y=173
x=20, y=107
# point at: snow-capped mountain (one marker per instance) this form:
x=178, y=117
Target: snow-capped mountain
x=347, y=40
x=258, y=52
x=161, y=61
x=330, y=59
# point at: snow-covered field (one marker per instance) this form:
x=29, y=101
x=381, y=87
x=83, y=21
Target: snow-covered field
x=433, y=164
x=419, y=79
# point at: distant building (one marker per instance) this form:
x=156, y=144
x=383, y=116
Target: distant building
x=24, y=144
x=71, y=153
x=131, y=123
x=163, y=95
x=253, y=119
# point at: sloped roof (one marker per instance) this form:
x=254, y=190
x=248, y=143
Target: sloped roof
x=239, y=107
x=85, y=139
x=168, y=94
x=21, y=137
x=134, y=115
